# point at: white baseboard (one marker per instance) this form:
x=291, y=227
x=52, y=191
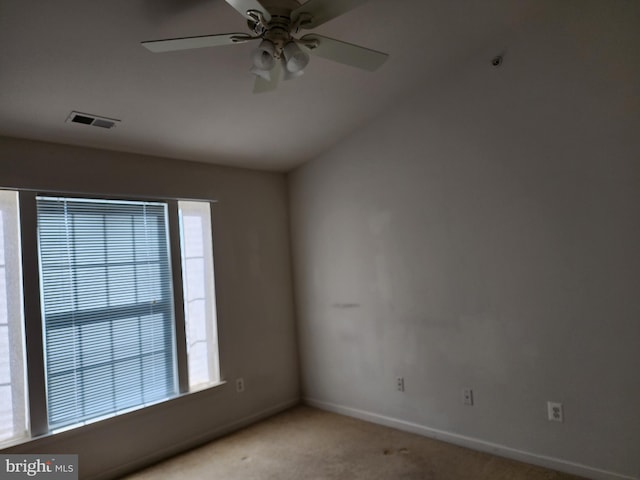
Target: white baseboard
x=196, y=441
x=472, y=443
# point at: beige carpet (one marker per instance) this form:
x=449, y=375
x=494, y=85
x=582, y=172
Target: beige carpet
x=309, y=444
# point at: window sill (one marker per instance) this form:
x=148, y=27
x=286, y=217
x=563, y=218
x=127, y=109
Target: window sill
x=106, y=421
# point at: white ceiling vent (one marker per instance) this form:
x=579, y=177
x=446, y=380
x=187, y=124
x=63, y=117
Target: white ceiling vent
x=93, y=120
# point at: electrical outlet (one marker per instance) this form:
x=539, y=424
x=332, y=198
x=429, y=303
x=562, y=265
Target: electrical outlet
x=467, y=396
x=554, y=412
x=239, y=385
x=400, y=384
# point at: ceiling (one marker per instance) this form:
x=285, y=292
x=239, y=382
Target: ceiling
x=67, y=55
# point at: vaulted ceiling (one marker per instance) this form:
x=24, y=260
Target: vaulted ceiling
x=79, y=55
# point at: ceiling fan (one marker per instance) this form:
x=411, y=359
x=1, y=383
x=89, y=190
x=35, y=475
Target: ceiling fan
x=279, y=54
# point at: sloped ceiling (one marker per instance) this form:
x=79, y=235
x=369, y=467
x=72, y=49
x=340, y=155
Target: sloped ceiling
x=198, y=105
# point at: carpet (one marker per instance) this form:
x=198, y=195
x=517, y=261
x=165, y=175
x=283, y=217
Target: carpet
x=311, y=444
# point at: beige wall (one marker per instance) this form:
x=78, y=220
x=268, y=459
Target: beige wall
x=253, y=282
x=485, y=233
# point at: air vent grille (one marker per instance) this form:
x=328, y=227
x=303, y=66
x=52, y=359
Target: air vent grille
x=93, y=120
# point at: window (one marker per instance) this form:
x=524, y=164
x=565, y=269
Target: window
x=199, y=303
x=107, y=306
x=116, y=333
x=13, y=422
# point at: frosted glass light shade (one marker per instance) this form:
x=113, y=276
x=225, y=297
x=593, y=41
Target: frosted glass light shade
x=263, y=56
x=296, y=59
x=265, y=74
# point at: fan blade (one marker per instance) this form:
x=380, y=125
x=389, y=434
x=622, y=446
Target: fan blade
x=262, y=85
x=343, y=52
x=243, y=6
x=322, y=11
x=187, y=43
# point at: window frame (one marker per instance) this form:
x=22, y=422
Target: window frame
x=32, y=300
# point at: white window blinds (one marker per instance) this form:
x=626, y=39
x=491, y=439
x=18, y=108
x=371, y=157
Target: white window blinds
x=13, y=414
x=107, y=302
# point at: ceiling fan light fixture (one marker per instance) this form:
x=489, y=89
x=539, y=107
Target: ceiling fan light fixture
x=287, y=75
x=291, y=75
x=264, y=56
x=296, y=59
x=265, y=74
x=274, y=24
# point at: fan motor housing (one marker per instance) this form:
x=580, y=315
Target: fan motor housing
x=279, y=7
x=278, y=29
